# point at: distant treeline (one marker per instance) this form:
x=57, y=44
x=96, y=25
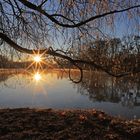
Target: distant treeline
x=6, y=63
x=115, y=55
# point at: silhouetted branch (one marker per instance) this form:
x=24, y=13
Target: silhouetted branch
x=51, y=17
x=50, y=51
x=81, y=74
x=42, y=3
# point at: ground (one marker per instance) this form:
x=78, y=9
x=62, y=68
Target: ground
x=50, y=124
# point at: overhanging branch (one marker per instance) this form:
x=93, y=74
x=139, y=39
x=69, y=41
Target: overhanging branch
x=51, y=17
x=50, y=51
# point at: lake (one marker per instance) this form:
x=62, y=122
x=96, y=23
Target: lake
x=53, y=89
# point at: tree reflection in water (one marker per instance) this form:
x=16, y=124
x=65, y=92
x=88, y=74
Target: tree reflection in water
x=98, y=86
x=101, y=87
x=7, y=74
x=4, y=76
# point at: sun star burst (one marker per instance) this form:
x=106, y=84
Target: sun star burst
x=37, y=58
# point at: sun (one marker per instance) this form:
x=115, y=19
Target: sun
x=37, y=58
x=38, y=61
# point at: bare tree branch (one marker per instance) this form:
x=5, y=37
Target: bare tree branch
x=42, y=3
x=36, y=8
x=52, y=52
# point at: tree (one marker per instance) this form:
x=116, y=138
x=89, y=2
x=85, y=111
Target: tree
x=53, y=27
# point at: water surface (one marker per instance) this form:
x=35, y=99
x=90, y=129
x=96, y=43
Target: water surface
x=53, y=89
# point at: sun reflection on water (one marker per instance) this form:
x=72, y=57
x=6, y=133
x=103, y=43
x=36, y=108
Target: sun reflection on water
x=37, y=76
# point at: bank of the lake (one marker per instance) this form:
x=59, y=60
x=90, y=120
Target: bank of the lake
x=50, y=124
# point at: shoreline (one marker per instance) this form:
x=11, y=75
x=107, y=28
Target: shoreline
x=37, y=123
